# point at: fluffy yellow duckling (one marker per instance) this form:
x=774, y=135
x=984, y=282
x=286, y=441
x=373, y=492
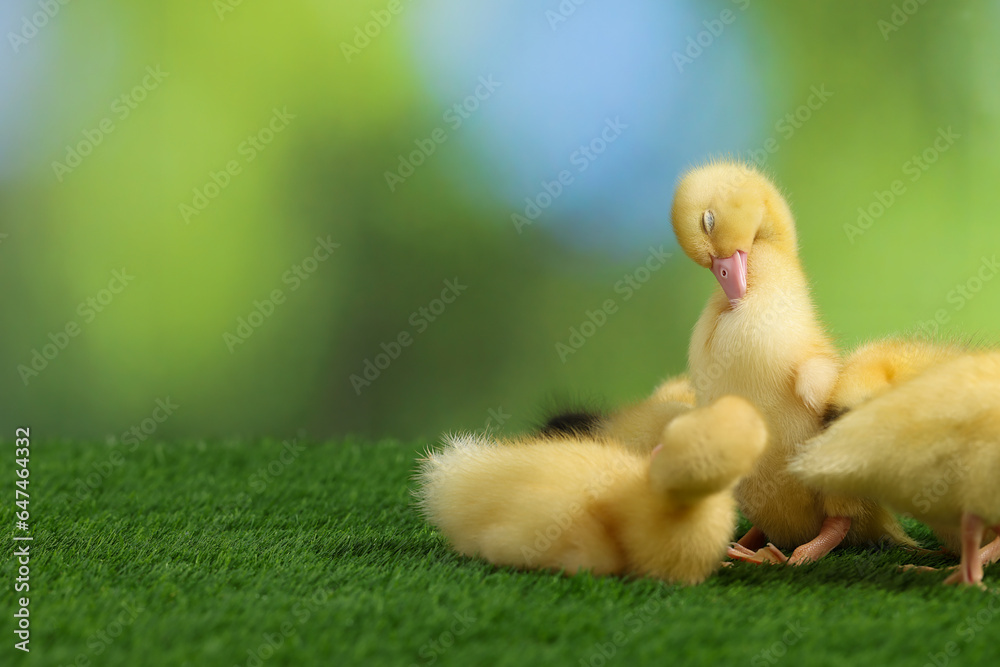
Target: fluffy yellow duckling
x=759, y=337
x=876, y=367
x=870, y=371
x=575, y=503
x=930, y=447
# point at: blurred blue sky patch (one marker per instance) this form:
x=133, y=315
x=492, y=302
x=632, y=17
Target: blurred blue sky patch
x=571, y=74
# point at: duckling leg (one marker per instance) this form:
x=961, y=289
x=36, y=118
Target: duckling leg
x=970, y=570
x=987, y=555
x=754, y=539
x=832, y=533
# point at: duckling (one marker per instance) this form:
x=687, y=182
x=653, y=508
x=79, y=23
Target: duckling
x=575, y=503
x=760, y=338
x=869, y=371
x=878, y=366
x=929, y=447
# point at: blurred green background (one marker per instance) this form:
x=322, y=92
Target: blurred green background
x=204, y=147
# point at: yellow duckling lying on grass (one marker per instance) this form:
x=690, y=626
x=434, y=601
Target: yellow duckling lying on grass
x=929, y=447
x=577, y=503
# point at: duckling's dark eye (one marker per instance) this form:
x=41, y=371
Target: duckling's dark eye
x=708, y=221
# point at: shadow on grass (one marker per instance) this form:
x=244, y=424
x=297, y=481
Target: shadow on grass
x=856, y=567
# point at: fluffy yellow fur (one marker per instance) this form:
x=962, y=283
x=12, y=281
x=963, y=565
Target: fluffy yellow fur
x=876, y=367
x=677, y=389
x=929, y=447
x=768, y=347
x=640, y=427
x=870, y=371
x=578, y=504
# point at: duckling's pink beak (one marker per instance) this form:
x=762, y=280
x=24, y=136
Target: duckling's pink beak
x=731, y=272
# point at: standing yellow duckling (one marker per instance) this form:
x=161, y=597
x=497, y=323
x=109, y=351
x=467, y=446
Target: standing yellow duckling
x=878, y=366
x=929, y=447
x=759, y=337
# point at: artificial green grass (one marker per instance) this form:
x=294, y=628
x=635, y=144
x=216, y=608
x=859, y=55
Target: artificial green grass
x=196, y=553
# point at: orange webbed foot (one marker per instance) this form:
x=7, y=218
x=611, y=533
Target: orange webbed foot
x=770, y=554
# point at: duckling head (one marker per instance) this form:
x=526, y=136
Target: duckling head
x=720, y=211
